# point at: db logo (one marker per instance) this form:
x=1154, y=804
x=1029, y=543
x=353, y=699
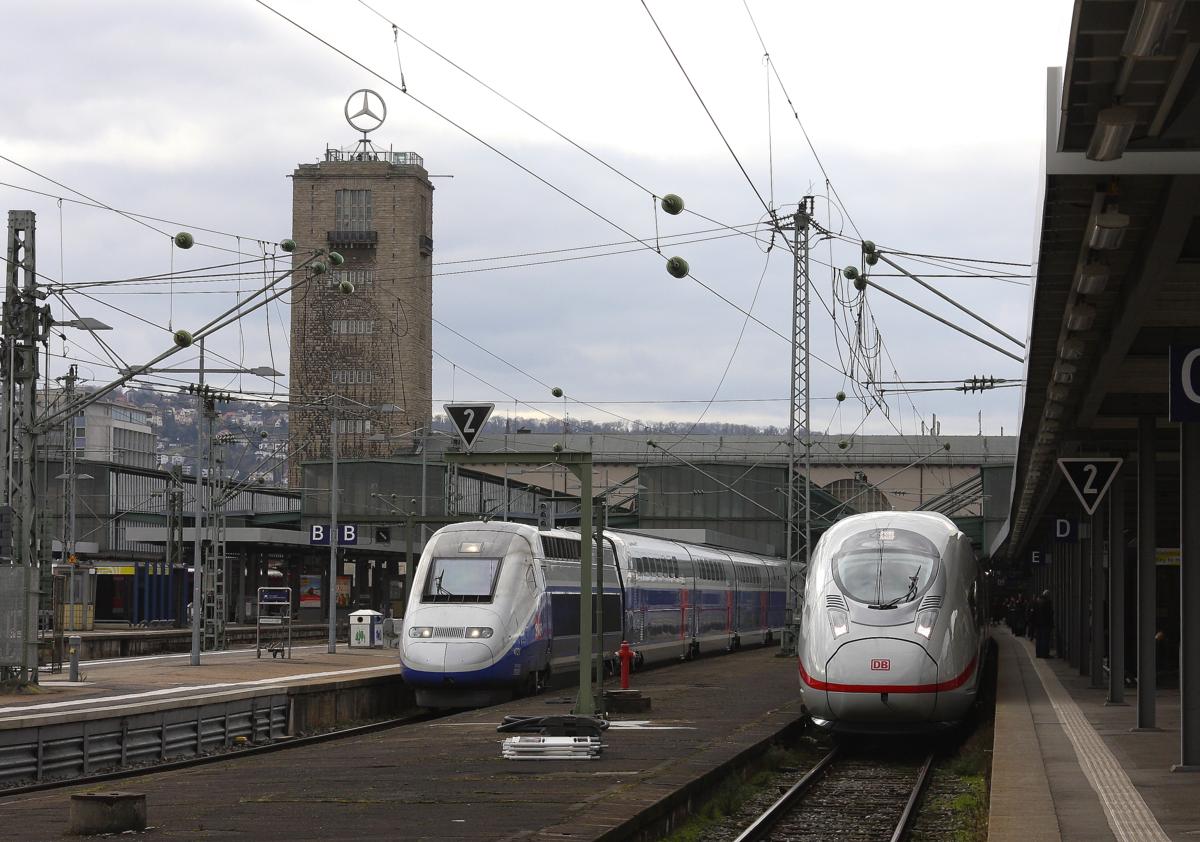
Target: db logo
x=880, y=664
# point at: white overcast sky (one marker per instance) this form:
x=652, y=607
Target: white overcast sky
x=927, y=116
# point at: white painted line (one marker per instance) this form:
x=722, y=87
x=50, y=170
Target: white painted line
x=1128, y=816
x=167, y=691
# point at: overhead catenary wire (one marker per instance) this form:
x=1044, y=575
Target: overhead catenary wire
x=743, y=323
x=469, y=133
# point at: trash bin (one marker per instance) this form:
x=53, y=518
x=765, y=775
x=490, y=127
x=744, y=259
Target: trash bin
x=366, y=629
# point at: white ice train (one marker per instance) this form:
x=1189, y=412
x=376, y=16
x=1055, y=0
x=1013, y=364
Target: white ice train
x=894, y=630
x=494, y=607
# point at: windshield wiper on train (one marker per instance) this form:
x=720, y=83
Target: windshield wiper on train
x=438, y=584
x=904, y=597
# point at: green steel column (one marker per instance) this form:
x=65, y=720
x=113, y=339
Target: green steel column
x=585, y=705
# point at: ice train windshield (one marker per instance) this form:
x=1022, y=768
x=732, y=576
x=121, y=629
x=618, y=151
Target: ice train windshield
x=884, y=568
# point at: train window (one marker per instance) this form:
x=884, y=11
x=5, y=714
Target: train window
x=461, y=580
x=885, y=567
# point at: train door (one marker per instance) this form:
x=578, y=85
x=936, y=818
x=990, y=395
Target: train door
x=635, y=601
x=690, y=597
x=613, y=602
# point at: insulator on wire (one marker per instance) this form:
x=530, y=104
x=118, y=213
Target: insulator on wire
x=677, y=267
x=672, y=204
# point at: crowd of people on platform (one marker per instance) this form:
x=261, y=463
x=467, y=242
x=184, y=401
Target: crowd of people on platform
x=1031, y=618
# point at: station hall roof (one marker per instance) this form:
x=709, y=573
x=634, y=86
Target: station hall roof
x=860, y=450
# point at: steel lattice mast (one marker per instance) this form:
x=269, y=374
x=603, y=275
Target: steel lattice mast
x=799, y=523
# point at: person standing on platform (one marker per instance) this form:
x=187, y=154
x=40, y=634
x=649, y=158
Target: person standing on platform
x=1017, y=615
x=1043, y=620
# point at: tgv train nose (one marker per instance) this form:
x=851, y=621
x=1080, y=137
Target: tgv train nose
x=467, y=656
x=879, y=679
x=425, y=656
x=446, y=657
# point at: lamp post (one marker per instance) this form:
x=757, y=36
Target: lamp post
x=334, y=403
x=69, y=479
x=333, y=524
x=410, y=522
x=198, y=510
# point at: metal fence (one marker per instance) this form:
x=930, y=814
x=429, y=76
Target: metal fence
x=69, y=750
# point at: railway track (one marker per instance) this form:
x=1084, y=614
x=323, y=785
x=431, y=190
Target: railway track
x=849, y=797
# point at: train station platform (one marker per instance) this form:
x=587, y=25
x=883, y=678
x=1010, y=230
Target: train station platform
x=163, y=681
x=1066, y=766
x=446, y=779
x=116, y=640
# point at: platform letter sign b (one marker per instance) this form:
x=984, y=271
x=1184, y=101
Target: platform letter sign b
x=317, y=534
x=349, y=534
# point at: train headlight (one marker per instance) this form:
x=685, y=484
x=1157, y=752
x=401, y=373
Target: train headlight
x=421, y=631
x=925, y=622
x=839, y=622
x=478, y=631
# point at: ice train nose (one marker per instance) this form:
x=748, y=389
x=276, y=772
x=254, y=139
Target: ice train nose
x=879, y=679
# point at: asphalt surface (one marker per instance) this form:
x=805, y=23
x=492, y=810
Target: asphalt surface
x=446, y=779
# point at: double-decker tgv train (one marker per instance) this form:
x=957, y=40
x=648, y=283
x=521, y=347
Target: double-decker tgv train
x=894, y=629
x=494, y=607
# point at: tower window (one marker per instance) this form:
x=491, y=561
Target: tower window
x=352, y=327
x=353, y=425
x=352, y=210
x=353, y=376
x=361, y=278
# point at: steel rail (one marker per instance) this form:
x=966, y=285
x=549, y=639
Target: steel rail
x=771, y=816
x=218, y=757
x=904, y=825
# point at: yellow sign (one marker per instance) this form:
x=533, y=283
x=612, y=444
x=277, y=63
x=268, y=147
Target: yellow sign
x=117, y=570
x=1168, y=556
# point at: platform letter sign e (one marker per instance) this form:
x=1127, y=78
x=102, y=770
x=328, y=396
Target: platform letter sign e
x=1090, y=477
x=1185, y=384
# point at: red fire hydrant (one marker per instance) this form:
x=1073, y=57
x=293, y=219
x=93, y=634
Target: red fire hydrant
x=626, y=656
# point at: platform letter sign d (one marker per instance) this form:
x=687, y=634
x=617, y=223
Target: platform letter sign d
x=1185, y=384
x=1066, y=530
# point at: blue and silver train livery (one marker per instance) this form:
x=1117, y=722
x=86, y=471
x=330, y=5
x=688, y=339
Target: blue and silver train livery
x=493, y=609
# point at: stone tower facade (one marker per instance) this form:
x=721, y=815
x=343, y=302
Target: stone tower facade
x=373, y=347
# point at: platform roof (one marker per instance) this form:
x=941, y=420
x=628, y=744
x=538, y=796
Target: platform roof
x=1089, y=405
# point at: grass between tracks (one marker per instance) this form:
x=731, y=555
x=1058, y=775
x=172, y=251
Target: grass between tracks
x=729, y=797
x=956, y=803
x=955, y=806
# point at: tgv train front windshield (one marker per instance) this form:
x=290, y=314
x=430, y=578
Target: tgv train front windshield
x=885, y=567
x=461, y=579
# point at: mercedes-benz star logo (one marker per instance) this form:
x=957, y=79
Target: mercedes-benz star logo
x=371, y=113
